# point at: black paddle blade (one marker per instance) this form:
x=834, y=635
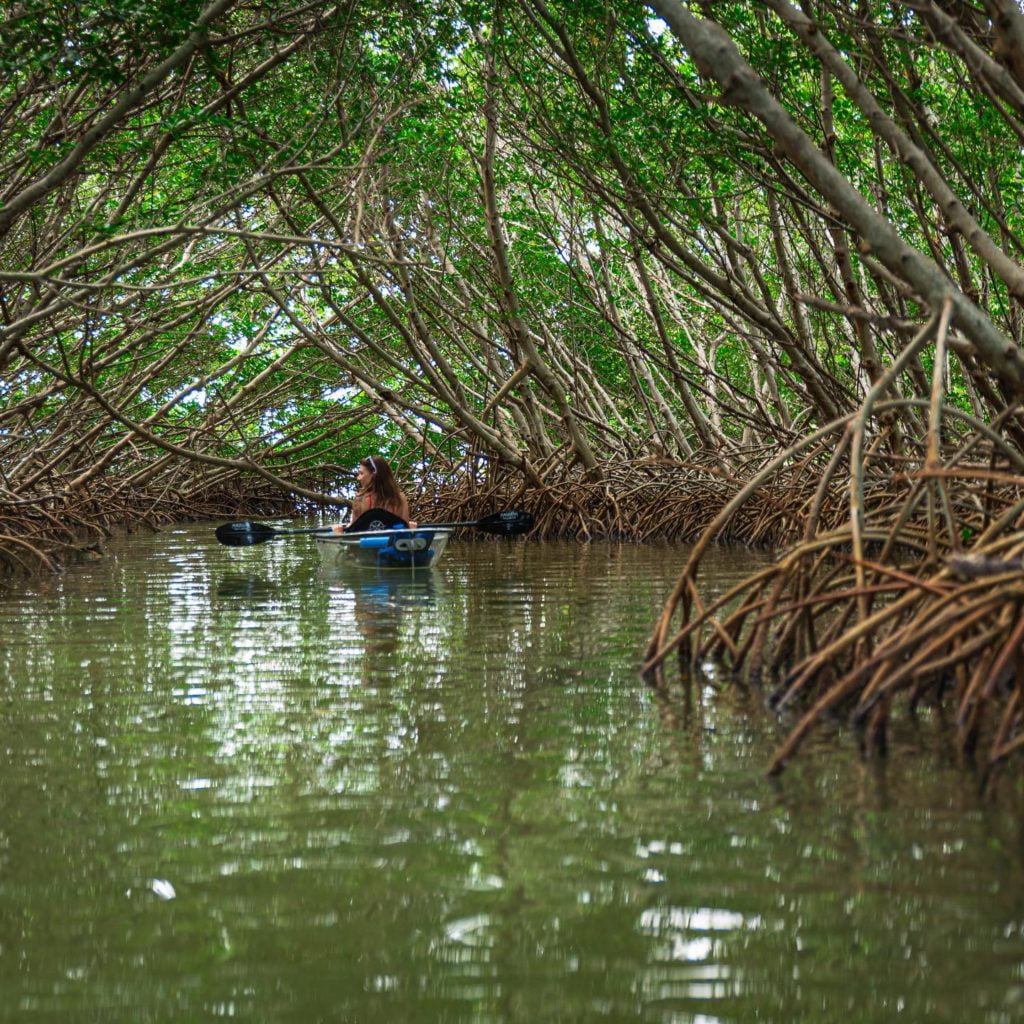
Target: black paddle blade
x=509, y=523
x=376, y=519
x=243, y=535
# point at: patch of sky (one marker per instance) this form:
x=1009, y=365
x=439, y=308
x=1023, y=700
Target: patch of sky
x=25, y=382
x=342, y=394
x=389, y=289
x=656, y=27
x=197, y=396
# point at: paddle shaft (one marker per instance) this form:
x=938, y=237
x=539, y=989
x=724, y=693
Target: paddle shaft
x=325, y=530
x=479, y=523
x=246, y=534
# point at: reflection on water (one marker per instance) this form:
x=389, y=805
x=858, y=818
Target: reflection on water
x=246, y=588
x=234, y=784
x=383, y=605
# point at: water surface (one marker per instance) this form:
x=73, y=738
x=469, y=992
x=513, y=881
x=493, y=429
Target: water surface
x=233, y=786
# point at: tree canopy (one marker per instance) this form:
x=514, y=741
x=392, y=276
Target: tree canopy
x=245, y=241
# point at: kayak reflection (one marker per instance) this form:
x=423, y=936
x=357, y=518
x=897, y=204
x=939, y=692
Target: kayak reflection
x=387, y=608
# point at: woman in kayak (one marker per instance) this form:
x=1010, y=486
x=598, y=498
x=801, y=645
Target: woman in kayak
x=378, y=488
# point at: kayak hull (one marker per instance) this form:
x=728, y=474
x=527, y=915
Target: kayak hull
x=409, y=550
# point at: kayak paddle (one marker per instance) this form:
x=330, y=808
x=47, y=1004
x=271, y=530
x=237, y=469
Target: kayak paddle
x=245, y=534
x=510, y=523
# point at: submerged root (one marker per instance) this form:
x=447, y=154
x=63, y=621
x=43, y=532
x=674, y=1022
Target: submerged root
x=917, y=599
x=916, y=596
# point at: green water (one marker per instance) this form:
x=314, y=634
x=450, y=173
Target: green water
x=233, y=787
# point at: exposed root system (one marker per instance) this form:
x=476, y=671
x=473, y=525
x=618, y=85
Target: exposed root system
x=914, y=595
x=641, y=500
x=45, y=531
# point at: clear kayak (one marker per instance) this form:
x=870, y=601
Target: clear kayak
x=385, y=549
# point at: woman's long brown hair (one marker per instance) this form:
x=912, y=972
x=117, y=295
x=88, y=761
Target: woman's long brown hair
x=383, y=489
